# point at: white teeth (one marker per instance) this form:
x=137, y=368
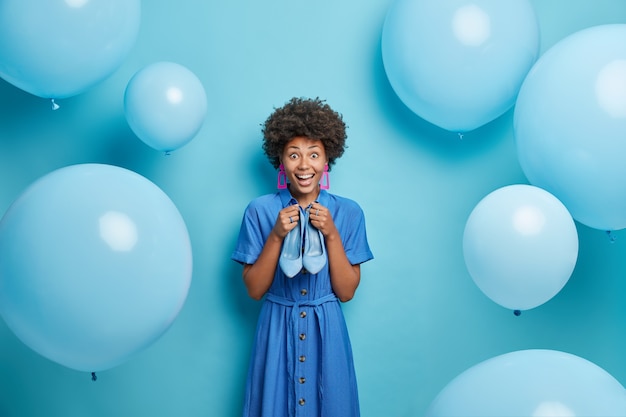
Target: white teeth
x=305, y=177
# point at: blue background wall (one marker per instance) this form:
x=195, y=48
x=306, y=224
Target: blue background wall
x=418, y=320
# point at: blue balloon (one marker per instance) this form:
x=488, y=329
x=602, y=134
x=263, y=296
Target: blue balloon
x=520, y=246
x=570, y=124
x=95, y=265
x=459, y=64
x=165, y=105
x=534, y=382
x=58, y=49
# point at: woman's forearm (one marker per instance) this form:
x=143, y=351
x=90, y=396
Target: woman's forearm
x=344, y=277
x=258, y=277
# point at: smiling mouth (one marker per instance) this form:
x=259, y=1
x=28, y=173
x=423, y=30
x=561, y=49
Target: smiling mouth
x=305, y=177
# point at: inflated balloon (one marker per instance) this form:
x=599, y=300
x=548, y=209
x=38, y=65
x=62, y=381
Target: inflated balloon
x=459, y=64
x=536, y=382
x=520, y=246
x=95, y=265
x=57, y=49
x=570, y=122
x=165, y=105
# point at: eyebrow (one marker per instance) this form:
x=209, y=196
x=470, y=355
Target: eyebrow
x=297, y=147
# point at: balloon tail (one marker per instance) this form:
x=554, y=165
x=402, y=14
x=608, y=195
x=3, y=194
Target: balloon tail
x=94, y=377
x=517, y=312
x=167, y=153
x=460, y=135
x=611, y=236
x=55, y=106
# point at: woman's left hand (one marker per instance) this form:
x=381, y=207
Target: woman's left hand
x=344, y=277
x=321, y=219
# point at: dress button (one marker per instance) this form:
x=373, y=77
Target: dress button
x=301, y=401
x=303, y=291
x=302, y=358
x=302, y=380
x=303, y=314
x=302, y=336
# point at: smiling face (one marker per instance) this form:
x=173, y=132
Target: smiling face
x=304, y=161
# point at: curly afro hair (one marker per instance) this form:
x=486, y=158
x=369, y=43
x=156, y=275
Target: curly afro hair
x=301, y=117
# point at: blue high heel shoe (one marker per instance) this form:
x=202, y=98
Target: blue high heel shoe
x=290, y=260
x=314, y=256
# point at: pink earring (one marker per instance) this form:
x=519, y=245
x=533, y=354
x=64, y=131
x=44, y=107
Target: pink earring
x=325, y=182
x=282, y=178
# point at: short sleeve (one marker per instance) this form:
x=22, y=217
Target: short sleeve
x=351, y=221
x=250, y=241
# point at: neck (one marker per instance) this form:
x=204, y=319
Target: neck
x=304, y=200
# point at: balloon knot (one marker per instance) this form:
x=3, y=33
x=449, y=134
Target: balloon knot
x=517, y=312
x=611, y=236
x=94, y=377
x=460, y=135
x=55, y=106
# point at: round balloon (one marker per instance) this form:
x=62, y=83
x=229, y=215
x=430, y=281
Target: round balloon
x=533, y=382
x=520, y=246
x=165, y=105
x=95, y=265
x=459, y=64
x=57, y=49
x=569, y=124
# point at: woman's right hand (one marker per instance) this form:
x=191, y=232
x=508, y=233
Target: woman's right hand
x=287, y=219
x=258, y=277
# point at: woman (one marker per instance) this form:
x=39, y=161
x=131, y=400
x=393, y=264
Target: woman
x=301, y=248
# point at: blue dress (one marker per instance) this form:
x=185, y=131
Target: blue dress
x=301, y=363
